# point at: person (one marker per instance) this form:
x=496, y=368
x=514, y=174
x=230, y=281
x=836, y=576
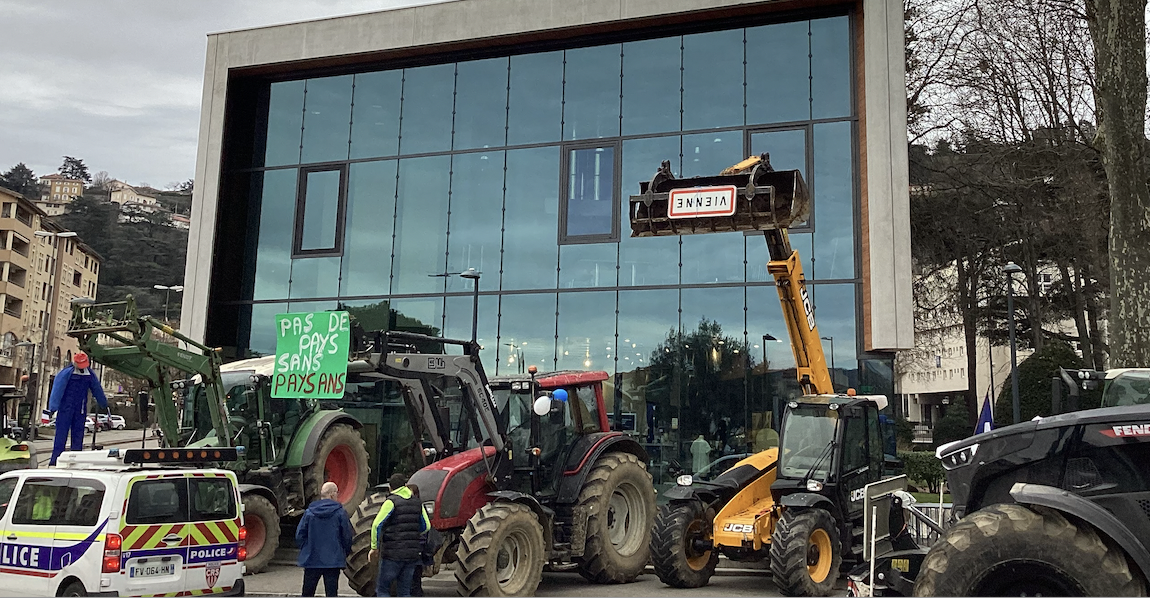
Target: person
x=397, y=537
x=69, y=400
x=324, y=539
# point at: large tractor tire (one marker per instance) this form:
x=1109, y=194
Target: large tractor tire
x=262, y=522
x=678, y=561
x=361, y=570
x=501, y=552
x=620, y=498
x=1012, y=550
x=806, y=553
x=340, y=457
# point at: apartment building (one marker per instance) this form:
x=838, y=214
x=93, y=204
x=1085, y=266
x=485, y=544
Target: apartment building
x=59, y=191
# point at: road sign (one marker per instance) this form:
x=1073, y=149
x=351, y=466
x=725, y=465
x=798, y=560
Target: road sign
x=698, y=202
x=311, y=355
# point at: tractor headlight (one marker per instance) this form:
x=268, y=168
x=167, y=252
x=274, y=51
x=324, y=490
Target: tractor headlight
x=685, y=480
x=959, y=458
x=814, y=486
x=429, y=506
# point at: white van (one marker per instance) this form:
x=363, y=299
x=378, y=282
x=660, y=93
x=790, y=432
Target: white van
x=98, y=526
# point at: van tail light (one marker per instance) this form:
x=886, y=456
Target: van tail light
x=242, y=552
x=112, y=544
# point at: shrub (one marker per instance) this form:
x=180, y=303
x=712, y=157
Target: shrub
x=923, y=469
x=904, y=431
x=953, y=426
x=1034, y=376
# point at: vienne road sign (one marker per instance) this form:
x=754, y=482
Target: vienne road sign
x=697, y=202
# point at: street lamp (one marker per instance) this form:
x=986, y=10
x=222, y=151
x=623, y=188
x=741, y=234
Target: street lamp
x=832, y=340
x=53, y=295
x=768, y=337
x=1010, y=270
x=167, y=295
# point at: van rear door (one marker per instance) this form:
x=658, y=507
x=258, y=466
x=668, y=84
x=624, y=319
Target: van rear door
x=213, y=534
x=154, y=529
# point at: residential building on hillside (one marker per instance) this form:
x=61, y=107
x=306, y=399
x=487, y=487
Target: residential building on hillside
x=58, y=193
x=121, y=193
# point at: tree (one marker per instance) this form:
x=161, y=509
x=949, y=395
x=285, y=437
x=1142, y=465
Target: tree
x=74, y=168
x=22, y=180
x=101, y=180
x=1118, y=30
x=1034, y=376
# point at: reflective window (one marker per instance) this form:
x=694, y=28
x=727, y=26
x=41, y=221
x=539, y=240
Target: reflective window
x=830, y=67
x=375, y=115
x=835, y=316
x=714, y=257
x=370, y=218
x=588, y=265
x=285, y=123
x=457, y=324
x=526, y=333
x=535, y=98
x=591, y=92
x=586, y=331
x=428, y=101
x=262, y=328
x=7, y=488
x=274, y=247
x=152, y=502
x=211, y=499
x=714, y=357
x=648, y=260
x=481, y=113
x=589, y=202
x=646, y=387
x=314, y=277
x=420, y=225
x=712, y=80
x=326, y=119
x=422, y=316
x=834, y=247
x=320, y=228
x=652, y=101
x=778, y=73
x=476, y=218
x=531, y=219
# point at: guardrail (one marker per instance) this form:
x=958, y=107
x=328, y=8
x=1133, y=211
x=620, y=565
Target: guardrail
x=922, y=533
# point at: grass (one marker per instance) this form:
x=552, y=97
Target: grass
x=929, y=497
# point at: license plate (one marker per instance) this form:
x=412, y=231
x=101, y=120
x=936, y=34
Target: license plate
x=152, y=570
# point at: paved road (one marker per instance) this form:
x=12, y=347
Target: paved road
x=108, y=439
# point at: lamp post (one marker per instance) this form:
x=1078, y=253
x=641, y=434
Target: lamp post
x=768, y=337
x=167, y=295
x=832, y=340
x=1010, y=270
x=53, y=296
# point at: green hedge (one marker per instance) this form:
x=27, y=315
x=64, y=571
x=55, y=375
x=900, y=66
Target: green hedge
x=1034, y=376
x=924, y=470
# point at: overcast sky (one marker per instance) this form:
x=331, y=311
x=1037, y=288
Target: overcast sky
x=117, y=83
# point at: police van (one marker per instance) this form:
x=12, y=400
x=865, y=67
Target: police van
x=115, y=523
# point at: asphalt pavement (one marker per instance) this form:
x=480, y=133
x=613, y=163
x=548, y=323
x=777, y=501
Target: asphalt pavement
x=107, y=439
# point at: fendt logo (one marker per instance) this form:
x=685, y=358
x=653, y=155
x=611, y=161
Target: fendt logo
x=739, y=528
x=1131, y=431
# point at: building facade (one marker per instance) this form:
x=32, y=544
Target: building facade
x=58, y=193
x=342, y=167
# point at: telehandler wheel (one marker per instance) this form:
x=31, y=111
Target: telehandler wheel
x=262, y=523
x=678, y=561
x=620, y=498
x=361, y=570
x=501, y=552
x=340, y=457
x=1012, y=550
x=806, y=553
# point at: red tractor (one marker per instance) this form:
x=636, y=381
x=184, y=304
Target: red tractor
x=539, y=480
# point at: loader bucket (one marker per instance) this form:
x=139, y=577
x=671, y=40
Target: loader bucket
x=750, y=196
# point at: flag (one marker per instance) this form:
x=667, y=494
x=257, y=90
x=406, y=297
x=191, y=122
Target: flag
x=985, y=418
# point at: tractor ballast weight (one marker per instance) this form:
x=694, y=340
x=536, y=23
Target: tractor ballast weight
x=761, y=199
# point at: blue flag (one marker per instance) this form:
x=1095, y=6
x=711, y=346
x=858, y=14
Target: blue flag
x=985, y=418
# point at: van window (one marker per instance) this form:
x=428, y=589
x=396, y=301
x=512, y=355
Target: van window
x=158, y=501
x=84, y=500
x=42, y=501
x=7, y=488
x=212, y=499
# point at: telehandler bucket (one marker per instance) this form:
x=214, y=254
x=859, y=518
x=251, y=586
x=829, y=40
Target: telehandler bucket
x=749, y=196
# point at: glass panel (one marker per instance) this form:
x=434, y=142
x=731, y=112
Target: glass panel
x=649, y=260
x=772, y=378
x=428, y=100
x=535, y=98
x=714, y=355
x=327, y=119
x=778, y=73
x=476, y=219
x=531, y=219
x=834, y=202
x=591, y=92
x=375, y=115
x=420, y=225
x=211, y=499
x=526, y=333
x=85, y=497
x=835, y=316
x=830, y=67
x=715, y=257
x=368, y=236
x=758, y=256
x=591, y=191
x=314, y=277
x=712, y=80
x=320, y=209
x=586, y=331
x=285, y=123
x=423, y=316
x=153, y=502
x=652, y=77
x=481, y=119
x=788, y=150
x=273, y=250
x=262, y=337
x=588, y=265
x=457, y=325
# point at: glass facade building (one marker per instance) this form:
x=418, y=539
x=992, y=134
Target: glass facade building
x=360, y=188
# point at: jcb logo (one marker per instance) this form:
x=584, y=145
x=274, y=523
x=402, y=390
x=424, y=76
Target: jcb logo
x=807, y=307
x=857, y=495
x=739, y=528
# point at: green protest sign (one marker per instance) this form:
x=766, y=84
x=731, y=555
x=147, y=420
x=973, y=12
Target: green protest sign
x=311, y=355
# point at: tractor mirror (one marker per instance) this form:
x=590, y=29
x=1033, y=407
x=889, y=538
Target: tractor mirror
x=542, y=405
x=23, y=414
x=142, y=405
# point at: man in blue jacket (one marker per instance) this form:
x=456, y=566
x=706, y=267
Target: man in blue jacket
x=69, y=400
x=324, y=540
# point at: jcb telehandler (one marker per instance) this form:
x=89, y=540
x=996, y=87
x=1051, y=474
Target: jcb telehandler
x=800, y=505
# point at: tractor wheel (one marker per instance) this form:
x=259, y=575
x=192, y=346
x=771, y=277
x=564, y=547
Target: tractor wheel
x=340, y=457
x=806, y=553
x=263, y=525
x=361, y=570
x=501, y=552
x=1011, y=550
x=620, y=498
x=678, y=562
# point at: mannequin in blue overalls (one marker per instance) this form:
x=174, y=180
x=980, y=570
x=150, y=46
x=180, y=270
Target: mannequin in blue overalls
x=69, y=397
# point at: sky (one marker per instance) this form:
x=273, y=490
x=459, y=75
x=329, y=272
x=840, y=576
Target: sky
x=117, y=83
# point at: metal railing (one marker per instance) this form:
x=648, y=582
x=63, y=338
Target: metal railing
x=922, y=533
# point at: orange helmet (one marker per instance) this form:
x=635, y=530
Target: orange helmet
x=80, y=360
